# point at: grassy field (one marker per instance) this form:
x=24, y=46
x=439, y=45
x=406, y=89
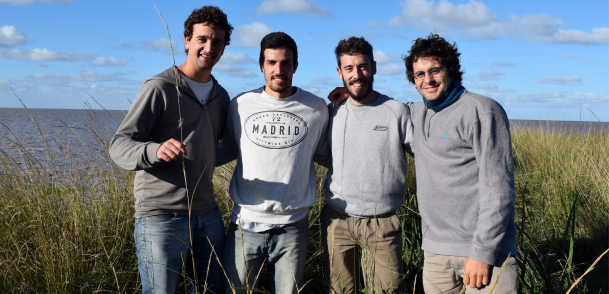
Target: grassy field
x=66, y=221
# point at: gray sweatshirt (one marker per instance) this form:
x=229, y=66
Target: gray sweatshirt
x=369, y=144
x=274, y=141
x=465, y=178
x=159, y=187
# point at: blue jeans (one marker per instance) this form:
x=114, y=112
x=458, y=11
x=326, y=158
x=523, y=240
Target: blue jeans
x=163, y=249
x=285, y=251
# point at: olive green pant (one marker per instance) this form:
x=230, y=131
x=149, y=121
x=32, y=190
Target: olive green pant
x=380, y=242
x=444, y=274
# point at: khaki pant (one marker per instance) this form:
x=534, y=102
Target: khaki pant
x=380, y=241
x=444, y=274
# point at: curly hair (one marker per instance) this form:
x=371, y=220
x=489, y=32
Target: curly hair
x=438, y=48
x=353, y=45
x=277, y=40
x=211, y=16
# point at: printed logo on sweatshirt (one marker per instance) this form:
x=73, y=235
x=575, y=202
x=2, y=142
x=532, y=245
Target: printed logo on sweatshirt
x=275, y=129
x=444, y=138
x=380, y=128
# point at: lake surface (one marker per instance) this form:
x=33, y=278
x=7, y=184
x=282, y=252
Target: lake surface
x=86, y=133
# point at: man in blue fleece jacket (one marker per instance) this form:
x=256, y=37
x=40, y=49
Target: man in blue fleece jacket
x=465, y=176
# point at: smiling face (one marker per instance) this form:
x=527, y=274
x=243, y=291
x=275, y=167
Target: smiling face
x=205, y=47
x=431, y=88
x=278, y=69
x=357, y=74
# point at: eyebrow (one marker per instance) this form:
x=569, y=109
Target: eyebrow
x=208, y=37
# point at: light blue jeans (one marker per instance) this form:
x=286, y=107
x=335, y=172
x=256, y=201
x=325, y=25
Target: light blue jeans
x=283, y=249
x=163, y=249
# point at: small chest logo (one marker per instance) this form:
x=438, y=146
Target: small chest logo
x=380, y=128
x=275, y=129
x=444, y=138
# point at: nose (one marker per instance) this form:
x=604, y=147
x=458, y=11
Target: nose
x=357, y=73
x=428, y=78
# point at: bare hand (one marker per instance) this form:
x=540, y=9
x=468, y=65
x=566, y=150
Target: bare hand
x=338, y=95
x=171, y=150
x=477, y=274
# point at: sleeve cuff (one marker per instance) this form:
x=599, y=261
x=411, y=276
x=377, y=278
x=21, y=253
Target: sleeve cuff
x=151, y=150
x=483, y=254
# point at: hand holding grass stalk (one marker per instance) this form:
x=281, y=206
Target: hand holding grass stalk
x=171, y=150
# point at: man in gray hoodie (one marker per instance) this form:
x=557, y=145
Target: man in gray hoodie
x=369, y=134
x=465, y=176
x=169, y=137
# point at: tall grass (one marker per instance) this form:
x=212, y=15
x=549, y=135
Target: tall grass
x=66, y=219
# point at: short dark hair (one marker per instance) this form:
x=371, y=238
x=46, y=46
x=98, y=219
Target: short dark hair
x=438, y=48
x=353, y=45
x=277, y=40
x=211, y=16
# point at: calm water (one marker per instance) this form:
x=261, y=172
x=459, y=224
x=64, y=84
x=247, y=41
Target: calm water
x=66, y=132
x=70, y=131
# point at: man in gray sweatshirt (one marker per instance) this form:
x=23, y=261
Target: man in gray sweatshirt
x=369, y=134
x=274, y=132
x=465, y=176
x=169, y=137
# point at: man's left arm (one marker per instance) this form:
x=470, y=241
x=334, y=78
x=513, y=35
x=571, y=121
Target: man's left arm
x=492, y=144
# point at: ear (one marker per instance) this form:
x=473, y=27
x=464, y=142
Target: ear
x=340, y=73
x=295, y=67
x=261, y=68
x=373, y=67
x=186, y=43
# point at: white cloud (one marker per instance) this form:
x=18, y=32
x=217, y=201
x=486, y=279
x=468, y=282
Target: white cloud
x=489, y=88
x=558, y=99
x=9, y=36
x=573, y=80
x=391, y=69
x=503, y=63
x=22, y=2
x=110, y=61
x=43, y=55
x=155, y=45
x=60, y=80
x=236, y=58
x=476, y=22
x=428, y=15
x=250, y=35
x=304, y=7
x=381, y=57
x=233, y=64
x=489, y=74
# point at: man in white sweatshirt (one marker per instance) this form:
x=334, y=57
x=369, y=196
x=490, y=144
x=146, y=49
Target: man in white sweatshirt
x=274, y=132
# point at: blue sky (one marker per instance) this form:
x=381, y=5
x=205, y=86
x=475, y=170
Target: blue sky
x=540, y=59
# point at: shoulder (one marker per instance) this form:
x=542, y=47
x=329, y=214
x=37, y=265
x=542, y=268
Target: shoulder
x=399, y=109
x=311, y=100
x=482, y=105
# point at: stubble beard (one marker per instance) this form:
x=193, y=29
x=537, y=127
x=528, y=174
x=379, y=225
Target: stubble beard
x=279, y=88
x=362, y=94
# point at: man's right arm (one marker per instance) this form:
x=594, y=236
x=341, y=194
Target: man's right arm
x=130, y=147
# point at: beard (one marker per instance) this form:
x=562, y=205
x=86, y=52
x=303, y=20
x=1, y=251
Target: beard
x=364, y=92
x=280, y=88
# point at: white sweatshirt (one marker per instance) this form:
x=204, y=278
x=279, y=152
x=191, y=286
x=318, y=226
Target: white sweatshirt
x=274, y=141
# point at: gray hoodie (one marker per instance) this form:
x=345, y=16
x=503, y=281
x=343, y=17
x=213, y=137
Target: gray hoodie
x=465, y=178
x=154, y=118
x=369, y=144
